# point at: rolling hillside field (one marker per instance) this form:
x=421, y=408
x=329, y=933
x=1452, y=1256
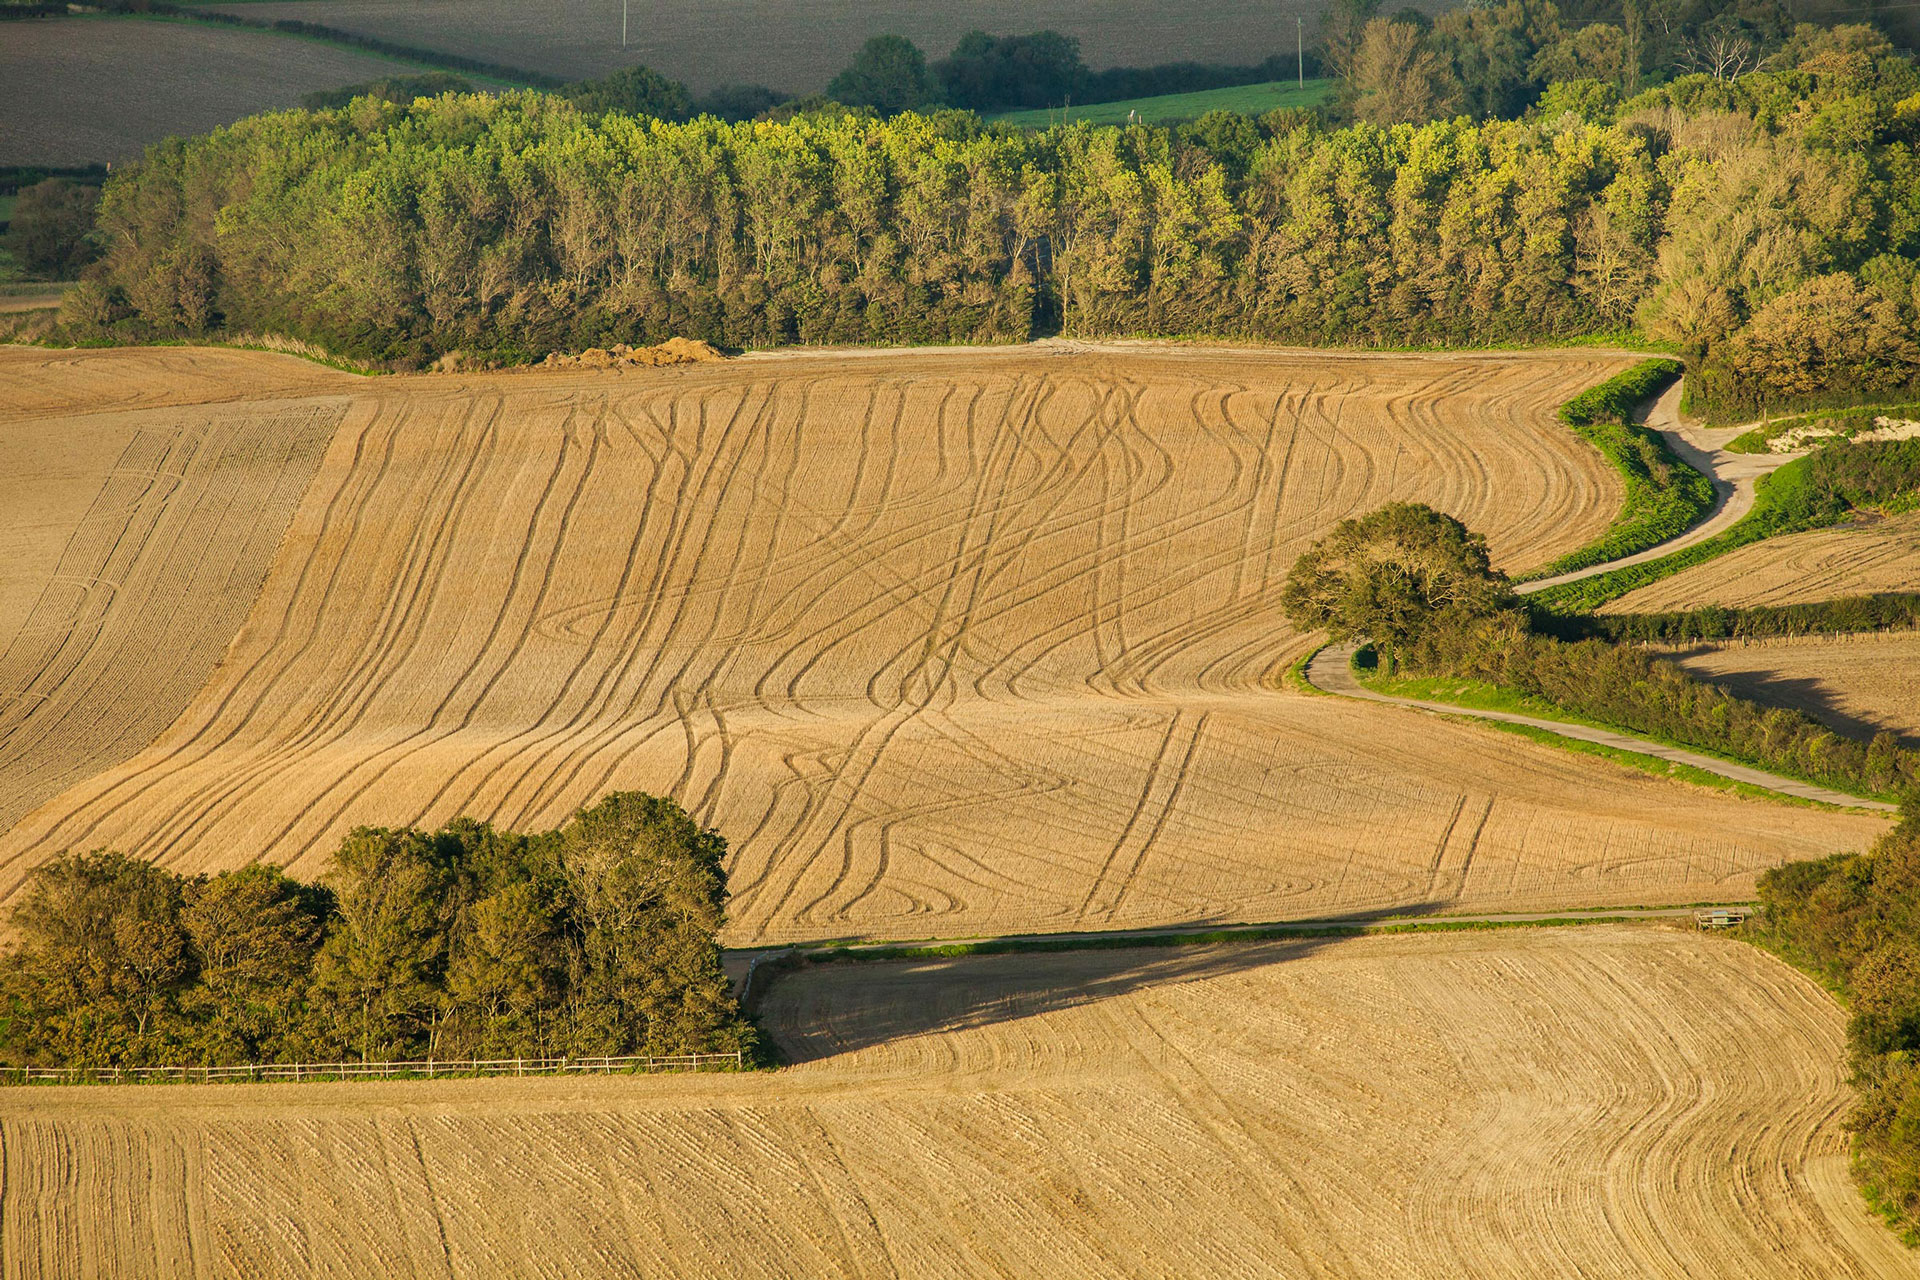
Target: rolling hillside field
x=98, y=90
x=944, y=643
x=1854, y=559
x=796, y=49
x=1566, y=1102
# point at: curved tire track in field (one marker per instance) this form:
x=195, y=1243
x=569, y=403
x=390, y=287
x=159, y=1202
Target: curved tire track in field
x=911, y=633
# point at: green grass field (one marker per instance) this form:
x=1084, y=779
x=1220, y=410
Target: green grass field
x=1249, y=99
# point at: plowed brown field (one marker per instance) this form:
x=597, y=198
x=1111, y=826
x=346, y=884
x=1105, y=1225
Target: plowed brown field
x=1880, y=555
x=1860, y=684
x=944, y=643
x=1551, y=1103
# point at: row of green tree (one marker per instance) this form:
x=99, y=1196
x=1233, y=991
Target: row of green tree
x=988, y=73
x=1885, y=611
x=1497, y=60
x=518, y=224
x=1854, y=919
x=595, y=939
x=1417, y=584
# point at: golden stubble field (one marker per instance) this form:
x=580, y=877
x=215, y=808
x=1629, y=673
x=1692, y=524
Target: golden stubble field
x=1570, y=1102
x=943, y=643
x=1867, y=556
x=1860, y=684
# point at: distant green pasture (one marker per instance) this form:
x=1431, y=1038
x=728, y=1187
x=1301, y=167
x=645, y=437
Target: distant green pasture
x=1249, y=99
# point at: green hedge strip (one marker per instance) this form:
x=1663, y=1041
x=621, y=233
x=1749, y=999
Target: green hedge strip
x=1664, y=496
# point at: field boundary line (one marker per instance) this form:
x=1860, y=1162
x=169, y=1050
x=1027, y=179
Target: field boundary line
x=421, y=1069
x=1400, y=920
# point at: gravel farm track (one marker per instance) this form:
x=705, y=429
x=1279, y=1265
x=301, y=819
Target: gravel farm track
x=1596, y=1101
x=947, y=644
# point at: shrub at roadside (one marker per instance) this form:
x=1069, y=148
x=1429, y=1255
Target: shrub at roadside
x=595, y=939
x=1854, y=919
x=1417, y=584
x=1627, y=687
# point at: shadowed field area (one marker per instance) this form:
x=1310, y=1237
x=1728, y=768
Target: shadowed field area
x=1564, y=1102
x=1859, y=684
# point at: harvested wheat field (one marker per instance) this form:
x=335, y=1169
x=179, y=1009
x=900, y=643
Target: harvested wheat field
x=1859, y=684
x=1855, y=559
x=132, y=546
x=944, y=643
x=1569, y=1102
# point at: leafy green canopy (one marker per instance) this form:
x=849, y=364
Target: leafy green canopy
x=889, y=74
x=598, y=938
x=515, y=225
x=1391, y=576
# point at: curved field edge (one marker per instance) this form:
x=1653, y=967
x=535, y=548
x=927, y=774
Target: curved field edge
x=1529, y=1101
x=1663, y=496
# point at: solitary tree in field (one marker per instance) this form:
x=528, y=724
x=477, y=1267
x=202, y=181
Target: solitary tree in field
x=1388, y=576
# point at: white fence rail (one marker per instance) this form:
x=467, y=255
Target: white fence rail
x=427, y=1069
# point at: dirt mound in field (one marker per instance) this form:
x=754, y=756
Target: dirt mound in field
x=620, y=355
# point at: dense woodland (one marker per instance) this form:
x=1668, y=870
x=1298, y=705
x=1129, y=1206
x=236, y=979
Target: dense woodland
x=595, y=939
x=1768, y=226
x=1854, y=919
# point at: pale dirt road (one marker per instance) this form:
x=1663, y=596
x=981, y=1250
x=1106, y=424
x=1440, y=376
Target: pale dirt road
x=1603, y=1101
x=964, y=643
x=1734, y=477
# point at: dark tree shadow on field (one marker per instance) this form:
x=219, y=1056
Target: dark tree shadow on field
x=1799, y=693
x=810, y=1016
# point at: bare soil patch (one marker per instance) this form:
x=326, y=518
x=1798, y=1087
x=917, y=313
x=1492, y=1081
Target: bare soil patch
x=1821, y=564
x=95, y=90
x=1599, y=1101
x=971, y=642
